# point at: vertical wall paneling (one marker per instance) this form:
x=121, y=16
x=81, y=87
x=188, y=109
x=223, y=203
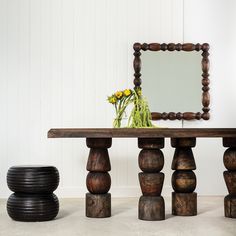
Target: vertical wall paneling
x=23, y=76
x=79, y=104
x=120, y=161
x=100, y=63
x=67, y=87
x=166, y=20
x=88, y=32
x=35, y=81
x=3, y=91
x=56, y=91
x=217, y=29
x=59, y=59
x=46, y=79
x=177, y=21
x=12, y=80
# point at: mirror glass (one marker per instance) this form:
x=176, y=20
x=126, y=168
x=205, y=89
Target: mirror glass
x=171, y=81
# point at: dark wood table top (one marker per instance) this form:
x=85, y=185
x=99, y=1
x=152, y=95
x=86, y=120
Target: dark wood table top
x=141, y=132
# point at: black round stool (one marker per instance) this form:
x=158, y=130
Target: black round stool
x=33, y=198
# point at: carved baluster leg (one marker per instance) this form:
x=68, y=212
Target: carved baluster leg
x=98, y=200
x=184, y=199
x=151, y=162
x=230, y=176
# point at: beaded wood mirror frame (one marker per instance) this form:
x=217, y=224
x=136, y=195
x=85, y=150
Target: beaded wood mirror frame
x=188, y=47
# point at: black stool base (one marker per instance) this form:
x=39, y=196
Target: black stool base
x=32, y=207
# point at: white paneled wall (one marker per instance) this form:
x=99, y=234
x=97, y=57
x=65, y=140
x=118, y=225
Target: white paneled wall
x=59, y=59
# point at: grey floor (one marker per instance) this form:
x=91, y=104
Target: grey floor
x=71, y=221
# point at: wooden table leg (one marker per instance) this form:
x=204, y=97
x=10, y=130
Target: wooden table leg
x=151, y=162
x=230, y=176
x=184, y=199
x=98, y=200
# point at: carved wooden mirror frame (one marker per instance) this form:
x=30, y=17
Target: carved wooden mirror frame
x=188, y=47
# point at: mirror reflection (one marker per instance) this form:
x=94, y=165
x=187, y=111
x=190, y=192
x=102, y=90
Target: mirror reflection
x=171, y=81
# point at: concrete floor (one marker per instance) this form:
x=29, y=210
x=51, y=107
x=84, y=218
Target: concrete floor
x=71, y=221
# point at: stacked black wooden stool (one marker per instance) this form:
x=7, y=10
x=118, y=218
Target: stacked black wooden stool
x=33, y=198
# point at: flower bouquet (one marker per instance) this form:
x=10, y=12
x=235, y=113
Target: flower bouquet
x=140, y=115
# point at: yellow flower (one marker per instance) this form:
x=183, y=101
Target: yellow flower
x=139, y=92
x=119, y=94
x=127, y=92
x=112, y=99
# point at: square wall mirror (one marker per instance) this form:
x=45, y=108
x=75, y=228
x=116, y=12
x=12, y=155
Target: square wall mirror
x=174, y=79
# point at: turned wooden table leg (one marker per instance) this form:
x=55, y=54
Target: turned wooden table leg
x=184, y=199
x=98, y=200
x=151, y=162
x=230, y=176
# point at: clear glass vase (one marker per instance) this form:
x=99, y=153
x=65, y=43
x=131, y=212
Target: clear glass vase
x=120, y=122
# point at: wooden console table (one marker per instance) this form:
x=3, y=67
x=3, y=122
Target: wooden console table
x=151, y=161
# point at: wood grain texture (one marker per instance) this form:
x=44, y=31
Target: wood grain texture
x=187, y=47
x=98, y=160
x=184, y=181
x=230, y=206
x=141, y=132
x=183, y=159
x=230, y=159
x=151, y=208
x=151, y=143
x=98, y=142
x=176, y=115
x=229, y=142
x=98, y=182
x=230, y=180
x=230, y=177
x=184, y=201
x=150, y=160
x=98, y=205
x=184, y=204
x=183, y=142
x=151, y=183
